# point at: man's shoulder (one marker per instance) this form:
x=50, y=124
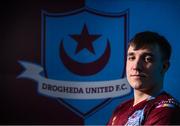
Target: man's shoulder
x=165, y=100
x=124, y=105
x=164, y=109
x=127, y=102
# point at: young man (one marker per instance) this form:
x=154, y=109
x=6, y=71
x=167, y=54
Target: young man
x=147, y=62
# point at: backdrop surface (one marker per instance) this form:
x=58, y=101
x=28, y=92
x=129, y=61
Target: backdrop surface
x=47, y=35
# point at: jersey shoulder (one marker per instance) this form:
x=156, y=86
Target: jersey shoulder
x=163, y=110
x=165, y=100
x=123, y=106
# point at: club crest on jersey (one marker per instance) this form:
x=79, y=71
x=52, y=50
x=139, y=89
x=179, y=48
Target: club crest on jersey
x=83, y=58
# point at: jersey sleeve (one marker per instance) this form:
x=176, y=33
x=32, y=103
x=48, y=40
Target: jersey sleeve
x=163, y=115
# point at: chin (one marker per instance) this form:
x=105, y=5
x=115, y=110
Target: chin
x=136, y=85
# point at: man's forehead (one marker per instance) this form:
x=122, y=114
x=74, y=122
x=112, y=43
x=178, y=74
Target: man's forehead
x=148, y=49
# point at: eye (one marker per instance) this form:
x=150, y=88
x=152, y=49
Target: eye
x=131, y=58
x=148, y=59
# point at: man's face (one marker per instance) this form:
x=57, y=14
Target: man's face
x=144, y=68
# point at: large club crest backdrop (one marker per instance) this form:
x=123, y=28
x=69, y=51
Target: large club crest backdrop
x=83, y=59
x=69, y=57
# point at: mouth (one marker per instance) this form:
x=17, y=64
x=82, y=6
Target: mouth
x=138, y=75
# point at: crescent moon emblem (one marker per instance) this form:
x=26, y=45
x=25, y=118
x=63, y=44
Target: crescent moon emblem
x=84, y=69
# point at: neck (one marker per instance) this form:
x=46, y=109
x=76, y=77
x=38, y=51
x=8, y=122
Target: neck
x=139, y=96
x=143, y=95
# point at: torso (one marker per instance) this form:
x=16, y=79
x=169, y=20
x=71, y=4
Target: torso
x=162, y=104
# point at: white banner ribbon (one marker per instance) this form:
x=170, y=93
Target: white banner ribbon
x=74, y=89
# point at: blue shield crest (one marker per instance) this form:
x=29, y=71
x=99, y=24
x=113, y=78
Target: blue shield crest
x=84, y=45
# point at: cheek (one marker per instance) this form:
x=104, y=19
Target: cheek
x=128, y=67
x=154, y=71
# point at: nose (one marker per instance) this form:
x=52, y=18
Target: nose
x=137, y=65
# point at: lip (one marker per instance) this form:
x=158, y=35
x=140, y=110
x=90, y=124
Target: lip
x=138, y=75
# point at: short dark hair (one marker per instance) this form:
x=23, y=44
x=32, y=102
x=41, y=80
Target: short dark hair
x=148, y=38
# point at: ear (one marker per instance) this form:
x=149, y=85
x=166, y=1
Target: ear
x=166, y=65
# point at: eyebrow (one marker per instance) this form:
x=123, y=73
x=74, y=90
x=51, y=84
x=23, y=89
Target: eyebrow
x=146, y=53
x=130, y=54
x=149, y=54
